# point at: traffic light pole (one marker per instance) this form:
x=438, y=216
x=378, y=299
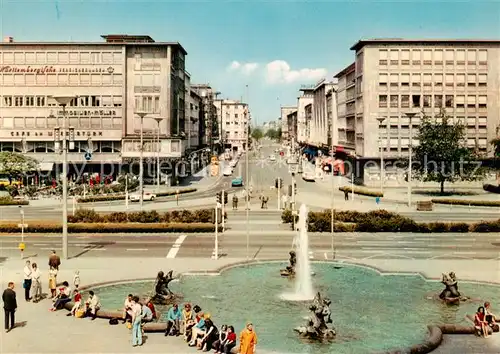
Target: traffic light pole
x=223, y=209
x=279, y=190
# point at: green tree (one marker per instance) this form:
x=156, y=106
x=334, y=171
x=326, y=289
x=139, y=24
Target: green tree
x=14, y=164
x=257, y=134
x=442, y=155
x=279, y=133
x=272, y=134
x=496, y=145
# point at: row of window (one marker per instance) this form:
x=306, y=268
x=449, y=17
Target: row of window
x=49, y=146
x=60, y=57
x=148, y=103
x=61, y=79
x=450, y=101
x=437, y=56
x=52, y=122
x=438, y=80
x=401, y=141
x=47, y=101
x=403, y=121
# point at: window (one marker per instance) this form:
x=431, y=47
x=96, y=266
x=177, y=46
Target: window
x=416, y=57
x=438, y=57
x=117, y=101
x=405, y=57
x=95, y=101
x=74, y=58
x=449, y=101
x=40, y=58
x=18, y=101
x=19, y=80
x=460, y=57
x=405, y=80
x=415, y=99
x=471, y=80
x=383, y=78
x=471, y=102
x=84, y=58
x=51, y=57
x=483, y=80
x=107, y=101
x=30, y=101
x=51, y=79
x=30, y=122
x=427, y=57
x=449, y=80
x=95, y=58
x=394, y=101
x=482, y=56
x=73, y=79
x=29, y=80
x=18, y=122
x=382, y=101
x=438, y=101
x=7, y=101
x=63, y=79
x=8, y=80
x=85, y=79
x=482, y=100
x=394, y=57
x=427, y=100
x=427, y=79
x=30, y=58
x=460, y=101
x=471, y=57
x=405, y=101
x=63, y=58
x=117, y=58
x=83, y=101
x=95, y=80
x=415, y=80
x=438, y=80
x=106, y=79
x=394, y=80
x=107, y=58
x=449, y=56
x=117, y=80
x=19, y=57
x=40, y=122
x=460, y=80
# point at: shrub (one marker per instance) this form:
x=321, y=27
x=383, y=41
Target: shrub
x=491, y=188
x=361, y=191
x=438, y=227
x=486, y=203
x=43, y=227
x=486, y=226
x=287, y=216
x=85, y=215
x=121, y=196
x=181, y=191
x=459, y=227
x=12, y=201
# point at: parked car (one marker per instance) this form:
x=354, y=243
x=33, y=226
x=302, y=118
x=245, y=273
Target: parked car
x=228, y=171
x=237, y=182
x=272, y=158
x=146, y=197
x=308, y=177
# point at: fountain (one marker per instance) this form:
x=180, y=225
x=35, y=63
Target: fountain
x=303, y=284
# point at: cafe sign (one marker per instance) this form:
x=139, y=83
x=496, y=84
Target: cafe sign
x=89, y=113
x=49, y=69
x=81, y=133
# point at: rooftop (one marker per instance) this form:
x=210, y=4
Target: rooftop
x=378, y=41
x=345, y=71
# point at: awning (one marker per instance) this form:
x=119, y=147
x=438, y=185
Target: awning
x=45, y=166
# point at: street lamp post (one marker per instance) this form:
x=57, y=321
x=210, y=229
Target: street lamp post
x=410, y=115
x=158, y=120
x=247, y=196
x=141, y=158
x=382, y=167
x=63, y=101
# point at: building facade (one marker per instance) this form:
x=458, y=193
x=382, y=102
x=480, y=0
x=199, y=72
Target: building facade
x=110, y=80
x=292, y=128
x=209, y=131
x=234, y=118
x=322, y=114
x=306, y=97
x=396, y=76
x=285, y=134
x=346, y=108
x=194, y=118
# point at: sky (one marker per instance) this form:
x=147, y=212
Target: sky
x=274, y=47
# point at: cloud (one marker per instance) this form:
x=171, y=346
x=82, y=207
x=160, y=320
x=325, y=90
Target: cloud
x=245, y=68
x=279, y=72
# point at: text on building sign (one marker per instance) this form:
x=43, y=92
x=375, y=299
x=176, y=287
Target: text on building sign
x=49, y=69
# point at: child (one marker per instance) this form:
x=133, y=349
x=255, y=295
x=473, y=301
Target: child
x=76, y=279
x=78, y=302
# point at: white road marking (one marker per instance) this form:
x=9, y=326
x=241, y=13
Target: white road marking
x=51, y=248
x=136, y=249
x=40, y=244
x=172, y=253
x=465, y=252
x=9, y=248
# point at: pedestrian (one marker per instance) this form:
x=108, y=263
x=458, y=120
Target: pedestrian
x=248, y=340
x=52, y=281
x=235, y=202
x=36, y=283
x=9, y=306
x=76, y=279
x=136, y=322
x=27, y=280
x=346, y=194
x=54, y=260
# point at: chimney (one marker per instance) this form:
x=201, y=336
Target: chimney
x=8, y=39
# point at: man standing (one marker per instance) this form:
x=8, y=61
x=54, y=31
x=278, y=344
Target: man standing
x=136, y=322
x=235, y=202
x=54, y=260
x=27, y=281
x=9, y=306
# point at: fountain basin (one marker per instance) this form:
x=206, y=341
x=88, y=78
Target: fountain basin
x=363, y=305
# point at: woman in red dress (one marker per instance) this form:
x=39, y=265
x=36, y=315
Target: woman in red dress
x=480, y=322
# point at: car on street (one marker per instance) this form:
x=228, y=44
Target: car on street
x=308, y=177
x=148, y=196
x=228, y=171
x=272, y=158
x=237, y=182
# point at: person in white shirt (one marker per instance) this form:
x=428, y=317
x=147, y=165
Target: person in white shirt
x=27, y=280
x=76, y=279
x=127, y=308
x=36, y=278
x=63, y=297
x=136, y=309
x=92, y=305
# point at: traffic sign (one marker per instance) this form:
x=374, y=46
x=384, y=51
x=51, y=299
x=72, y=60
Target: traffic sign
x=88, y=156
x=282, y=153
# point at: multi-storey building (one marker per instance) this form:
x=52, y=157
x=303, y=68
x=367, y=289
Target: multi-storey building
x=194, y=121
x=209, y=131
x=110, y=80
x=322, y=113
x=291, y=119
x=396, y=76
x=306, y=97
x=285, y=111
x=234, y=118
x=346, y=108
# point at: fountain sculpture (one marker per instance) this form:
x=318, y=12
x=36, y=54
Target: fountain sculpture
x=162, y=294
x=289, y=271
x=303, y=284
x=450, y=294
x=316, y=328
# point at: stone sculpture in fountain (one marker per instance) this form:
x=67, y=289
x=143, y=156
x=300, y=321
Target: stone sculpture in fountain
x=450, y=294
x=162, y=293
x=316, y=328
x=289, y=271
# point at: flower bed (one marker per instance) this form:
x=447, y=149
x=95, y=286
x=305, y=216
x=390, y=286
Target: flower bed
x=121, y=196
x=361, y=191
x=384, y=221
x=12, y=201
x=486, y=203
x=98, y=228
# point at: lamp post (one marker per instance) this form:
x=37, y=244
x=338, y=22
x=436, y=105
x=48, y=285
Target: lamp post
x=158, y=120
x=247, y=196
x=141, y=158
x=382, y=167
x=410, y=115
x=63, y=101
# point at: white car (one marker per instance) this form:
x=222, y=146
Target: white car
x=146, y=197
x=272, y=158
x=309, y=177
x=228, y=171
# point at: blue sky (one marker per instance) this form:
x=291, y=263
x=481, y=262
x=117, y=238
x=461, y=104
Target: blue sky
x=273, y=46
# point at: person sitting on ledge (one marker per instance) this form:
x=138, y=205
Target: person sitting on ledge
x=92, y=305
x=147, y=314
x=198, y=329
x=127, y=308
x=480, y=323
x=78, y=303
x=63, y=297
x=186, y=319
x=219, y=343
x=197, y=316
x=151, y=306
x=489, y=316
x=230, y=341
x=173, y=321
x=211, y=335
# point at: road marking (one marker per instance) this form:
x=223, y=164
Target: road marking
x=465, y=252
x=136, y=249
x=172, y=253
x=40, y=244
x=51, y=248
x=9, y=248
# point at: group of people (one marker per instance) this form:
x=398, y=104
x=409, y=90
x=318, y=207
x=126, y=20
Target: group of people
x=484, y=320
x=136, y=313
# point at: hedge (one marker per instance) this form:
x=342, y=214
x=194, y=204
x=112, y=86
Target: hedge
x=486, y=203
x=98, y=228
x=491, y=188
x=361, y=191
x=109, y=198
x=12, y=201
x=384, y=221
x=175, y=216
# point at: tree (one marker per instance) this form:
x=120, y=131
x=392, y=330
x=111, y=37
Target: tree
x=442, y=155
x=496, y=145
x=14, y=164
x=272, y=134
x=257, y=134
x=279, y=133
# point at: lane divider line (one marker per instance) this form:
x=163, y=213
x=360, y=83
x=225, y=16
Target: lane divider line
x=172, y=253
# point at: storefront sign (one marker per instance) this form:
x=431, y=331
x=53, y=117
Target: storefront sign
x=88, y=113
x=49, y=69
x=147, y=89
x=83, y=133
